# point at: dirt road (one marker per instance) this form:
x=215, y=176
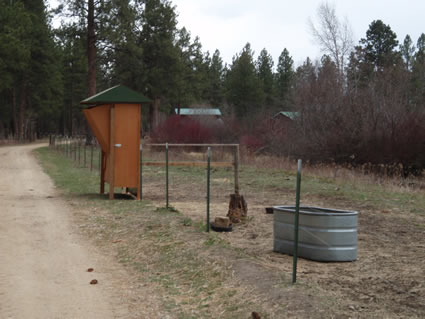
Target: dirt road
x=43, y=262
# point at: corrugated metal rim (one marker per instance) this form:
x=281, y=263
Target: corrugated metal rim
x=308, y=210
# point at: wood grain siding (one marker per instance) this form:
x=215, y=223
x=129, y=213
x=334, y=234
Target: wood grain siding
x=111, y=156
x=127, y=134
x=114, y=116
x=99, y=118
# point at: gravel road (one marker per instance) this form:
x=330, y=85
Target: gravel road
x=43, y=260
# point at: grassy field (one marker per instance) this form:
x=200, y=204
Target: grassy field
x=230, y=275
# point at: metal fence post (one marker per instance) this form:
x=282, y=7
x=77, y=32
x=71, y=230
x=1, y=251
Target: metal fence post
x=85, y=160
x=296, y=224
x=141, y=171
x=79, y=152
x=236, y=163
x=208, y=188
x=91, y=157
x=166, y=174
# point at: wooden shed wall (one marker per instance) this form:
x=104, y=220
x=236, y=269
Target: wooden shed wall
x=127, y=133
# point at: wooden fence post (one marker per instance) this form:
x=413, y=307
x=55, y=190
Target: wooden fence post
x=236, y=163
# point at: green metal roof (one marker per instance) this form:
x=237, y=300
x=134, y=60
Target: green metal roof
x=193, y=111
x=291, y=115
x=116, y=94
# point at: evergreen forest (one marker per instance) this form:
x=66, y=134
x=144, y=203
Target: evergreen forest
x=359, y=104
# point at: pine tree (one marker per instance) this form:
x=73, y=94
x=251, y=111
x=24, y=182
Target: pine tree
x=285, y=77
x=265, y=75
x=91, y=16
x=15, y=57
x=160, y=55
x=43, y=79
x=305, y=84
x=380, y=44
x=418, y=73
x=31, y=82
x=215, y=90
x=374, y=55
x=72, y=42
x=193, y=71
x=122, y=58
x=407, y=50
x=243, y=86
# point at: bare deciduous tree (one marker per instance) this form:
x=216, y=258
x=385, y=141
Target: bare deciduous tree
x=334, y=36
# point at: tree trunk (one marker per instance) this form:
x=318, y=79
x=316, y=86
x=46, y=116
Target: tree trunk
x=238, y=208
x=22, y=102
x=91, y=57
x=153, y=113
x=15, y=130
x=91, y=49
x=71, y=106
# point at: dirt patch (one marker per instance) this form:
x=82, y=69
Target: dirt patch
x=383, y=282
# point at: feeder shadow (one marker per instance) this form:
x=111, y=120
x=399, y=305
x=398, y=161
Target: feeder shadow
x=117, y=196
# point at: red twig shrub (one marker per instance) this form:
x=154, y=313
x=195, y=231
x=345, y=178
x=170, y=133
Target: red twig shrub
x=178, y=129
x=251, y=142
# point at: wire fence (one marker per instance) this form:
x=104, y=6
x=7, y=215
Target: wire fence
x=154, y=158
x=76, y=148
x=179, y=174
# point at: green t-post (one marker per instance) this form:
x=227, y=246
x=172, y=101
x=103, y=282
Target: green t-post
x=296, y=223
x=85, y=160
x=208, y=188
x=91, y=156
x=141, y=171
x=166, y=174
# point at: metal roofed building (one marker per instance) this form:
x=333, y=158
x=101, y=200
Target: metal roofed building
x=290, y=115
x=197, y=112
x=209, y=117
x=114, y=95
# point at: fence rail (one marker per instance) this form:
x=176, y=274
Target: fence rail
x=234, y=164
x=76, y=149
x=190, y=164
x=195, y=145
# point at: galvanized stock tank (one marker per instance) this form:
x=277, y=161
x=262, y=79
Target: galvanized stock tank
x=324, y=234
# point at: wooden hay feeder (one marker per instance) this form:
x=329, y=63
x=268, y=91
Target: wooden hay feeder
x=114, y=116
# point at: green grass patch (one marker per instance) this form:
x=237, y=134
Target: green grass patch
x=166, y=248
x=357, y=192
x=172, y=252
x=165, y=210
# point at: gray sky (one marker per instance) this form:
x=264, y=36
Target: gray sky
x=275, y=24
x=228, y=25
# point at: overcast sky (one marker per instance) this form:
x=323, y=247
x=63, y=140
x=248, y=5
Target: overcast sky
x=228, y=25
x=275, y=24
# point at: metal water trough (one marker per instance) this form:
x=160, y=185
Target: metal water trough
x=324, y=234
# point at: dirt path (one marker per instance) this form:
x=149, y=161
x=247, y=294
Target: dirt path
x=43, y=262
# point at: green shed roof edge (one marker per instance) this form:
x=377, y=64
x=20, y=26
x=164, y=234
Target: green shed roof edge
x=291, y=115
x=116, y=94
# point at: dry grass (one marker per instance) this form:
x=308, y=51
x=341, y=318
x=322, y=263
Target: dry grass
x=338, y=173
x=164, y=251
x=228, y=275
